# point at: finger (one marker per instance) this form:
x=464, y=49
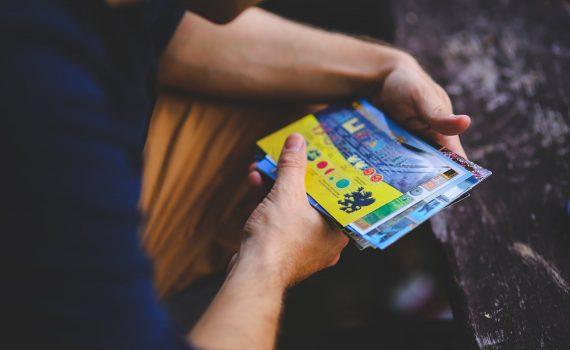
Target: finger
x=292, y=164
x=452, y=143
x=252, y=167
x=254, y=177
x=255, y=180
x=434, y=106
x=334, y=261
x=343, y=239
x=340, y=242
x=338, y=237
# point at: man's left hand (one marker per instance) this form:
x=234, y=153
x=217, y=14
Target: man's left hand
x=410, y=96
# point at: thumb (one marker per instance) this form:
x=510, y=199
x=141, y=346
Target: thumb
x=292, y=163
x=436, y=110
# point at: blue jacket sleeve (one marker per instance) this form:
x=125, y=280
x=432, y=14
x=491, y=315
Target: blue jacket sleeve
x=76, y=276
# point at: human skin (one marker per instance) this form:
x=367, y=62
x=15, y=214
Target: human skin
x=286, y=241
x=260, y=56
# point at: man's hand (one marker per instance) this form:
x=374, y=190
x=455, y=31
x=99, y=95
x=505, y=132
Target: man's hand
x=261, y=56
x=410, y=96
x=287, y=241
x=284, y=232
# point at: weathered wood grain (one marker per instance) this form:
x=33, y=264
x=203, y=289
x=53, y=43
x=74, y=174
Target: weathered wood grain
x=506, y=63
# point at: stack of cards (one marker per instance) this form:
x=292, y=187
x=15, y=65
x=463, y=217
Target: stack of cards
x=371, y=177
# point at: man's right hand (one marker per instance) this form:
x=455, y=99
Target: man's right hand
x=286, y=236
x=287, y=240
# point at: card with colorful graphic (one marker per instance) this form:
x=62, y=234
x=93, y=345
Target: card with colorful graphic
x=395, y=228
x=391, y=230
x=268, y=168
x=373, y=178
x=425, y=172
x=344, y=191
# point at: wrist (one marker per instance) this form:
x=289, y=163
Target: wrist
x=260, y=265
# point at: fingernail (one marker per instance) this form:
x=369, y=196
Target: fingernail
x=294, y=142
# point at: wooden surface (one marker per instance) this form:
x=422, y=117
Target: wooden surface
x=506, y=63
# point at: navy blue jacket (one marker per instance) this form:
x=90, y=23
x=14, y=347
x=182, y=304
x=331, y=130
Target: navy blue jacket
x=77, y=82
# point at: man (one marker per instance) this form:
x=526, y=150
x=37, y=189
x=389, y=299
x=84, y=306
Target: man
x=76, y=93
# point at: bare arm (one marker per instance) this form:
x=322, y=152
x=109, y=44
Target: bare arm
x=287, y=240
x=261, y=55
x=245, y=313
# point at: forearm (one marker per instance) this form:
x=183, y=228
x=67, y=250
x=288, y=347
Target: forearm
x=245, y=312
x=261, y=55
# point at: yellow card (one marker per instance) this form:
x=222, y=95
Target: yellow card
x=341, y=189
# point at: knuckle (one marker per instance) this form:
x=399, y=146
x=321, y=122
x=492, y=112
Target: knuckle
x=416, y=91
x=440, y=90
x=291, y=161
x=440, y=110
x=251, y=225
x=447, y=104
x=334, y=261
x=437, y=109
x=281, y=192
x=278, y=187
x=341, y=240
x=446, y=101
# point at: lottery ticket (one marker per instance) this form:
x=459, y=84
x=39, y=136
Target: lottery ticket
x=395, y=228
x=370, y=176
